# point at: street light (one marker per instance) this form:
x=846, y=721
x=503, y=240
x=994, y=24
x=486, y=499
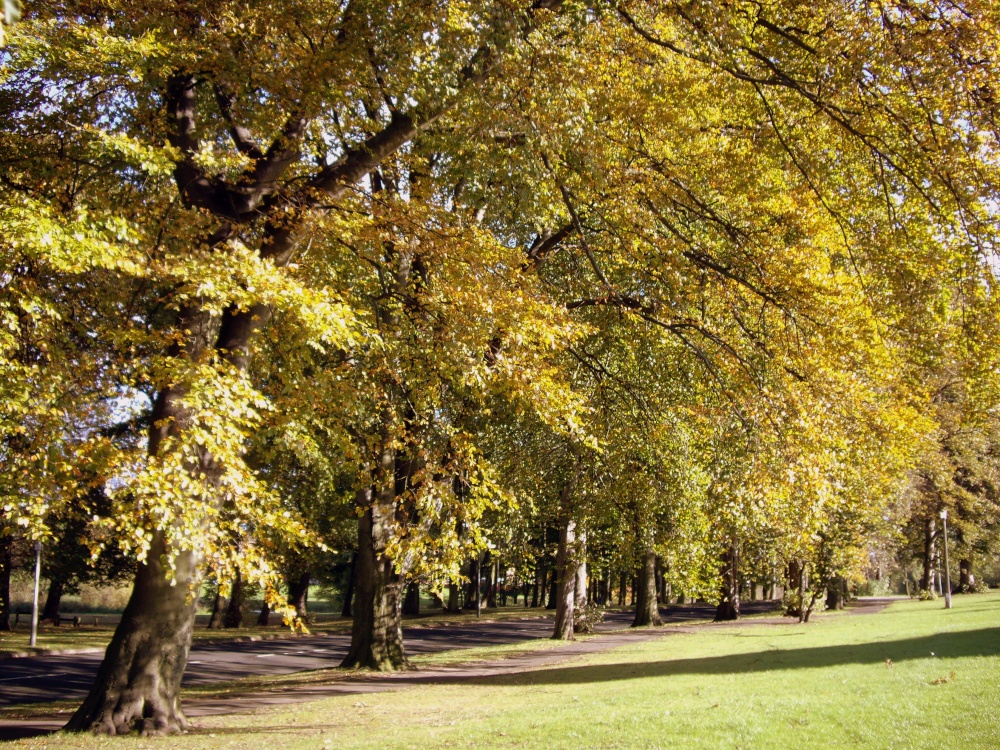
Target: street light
x=34, y=605
x=947, y=571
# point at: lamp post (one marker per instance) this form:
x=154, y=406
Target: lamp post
x=34, y=604
x=947, y=571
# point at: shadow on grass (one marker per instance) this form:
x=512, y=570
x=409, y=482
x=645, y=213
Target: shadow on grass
x=984, y=642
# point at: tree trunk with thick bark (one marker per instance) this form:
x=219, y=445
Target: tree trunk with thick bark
x=729, y=595
x=234, y=611
x=377, y=631
x=138, y=683
x=647, y=611
x=215, y=620
x=566, y=578
x=345, y=607
x=53, y=599
x=6, y=562
x=411, y=604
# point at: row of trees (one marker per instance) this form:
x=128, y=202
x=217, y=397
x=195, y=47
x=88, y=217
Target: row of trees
x=676, y=289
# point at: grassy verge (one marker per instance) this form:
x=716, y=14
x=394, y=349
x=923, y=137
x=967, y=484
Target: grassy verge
x=65, y=636
x=914, y=676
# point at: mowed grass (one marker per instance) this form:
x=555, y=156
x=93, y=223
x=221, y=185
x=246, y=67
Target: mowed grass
x=67, y=637
x=913, y=676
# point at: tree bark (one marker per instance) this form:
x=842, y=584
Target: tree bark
x=539, y=584
x=729, y=599
x=471, y=590
x=647, y=611
x=5, y=566
x=835, y=592
x=138, y=683
x=377, y=631
x=53, y=599
x=622, y=586
x=966, y=581
x=411, y=604
x=298, y=593
x=265, y=615
x=215, y=620
x=345, y=609
x=566, y=577
x=580, y=599
x=453, y=605
x=234, y=612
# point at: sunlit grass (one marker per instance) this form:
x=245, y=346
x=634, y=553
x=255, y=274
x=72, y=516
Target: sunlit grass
x=914, y=676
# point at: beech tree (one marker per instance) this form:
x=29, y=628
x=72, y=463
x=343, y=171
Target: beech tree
x=416, y=214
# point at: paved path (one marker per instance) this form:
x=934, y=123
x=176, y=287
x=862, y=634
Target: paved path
x=50, y=678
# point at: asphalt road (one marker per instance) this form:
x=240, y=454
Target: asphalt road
x=50, y=678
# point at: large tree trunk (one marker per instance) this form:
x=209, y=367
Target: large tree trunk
x=298, y=593
x=729, y=599
x=377, y=632
x=927, y=580
x=647, y=611
x=566, y=576
x=5, y=566
x=234, y=612
x=53, y=599
x=138, y=684
x=411, y=604
x=345, y=609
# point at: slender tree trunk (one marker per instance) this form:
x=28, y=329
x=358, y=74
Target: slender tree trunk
x=234, y=612
x=927, y=581
x=411, y=604
x=633, y=597
x=539, y=584
x=298, y=593
x=53, y=599
x=265, y=615
x=580, y=585
x=553, y=589
x=802, y=593
x=377, y=631
x=345, y=609
x=138, y=683
x=647, y=611
x=5, y=566
x=491, y=585
x=622, y=585
x=566, y=576
x=471, y=591
x=215, y=620
x=729, y=599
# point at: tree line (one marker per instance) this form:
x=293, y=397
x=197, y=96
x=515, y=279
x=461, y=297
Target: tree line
x=691, y=294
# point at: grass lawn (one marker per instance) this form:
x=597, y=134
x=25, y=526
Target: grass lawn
x=913, y=676
x=65, y=636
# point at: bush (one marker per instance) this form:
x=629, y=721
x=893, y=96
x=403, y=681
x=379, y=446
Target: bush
x=874, y=587
x=927, y=596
